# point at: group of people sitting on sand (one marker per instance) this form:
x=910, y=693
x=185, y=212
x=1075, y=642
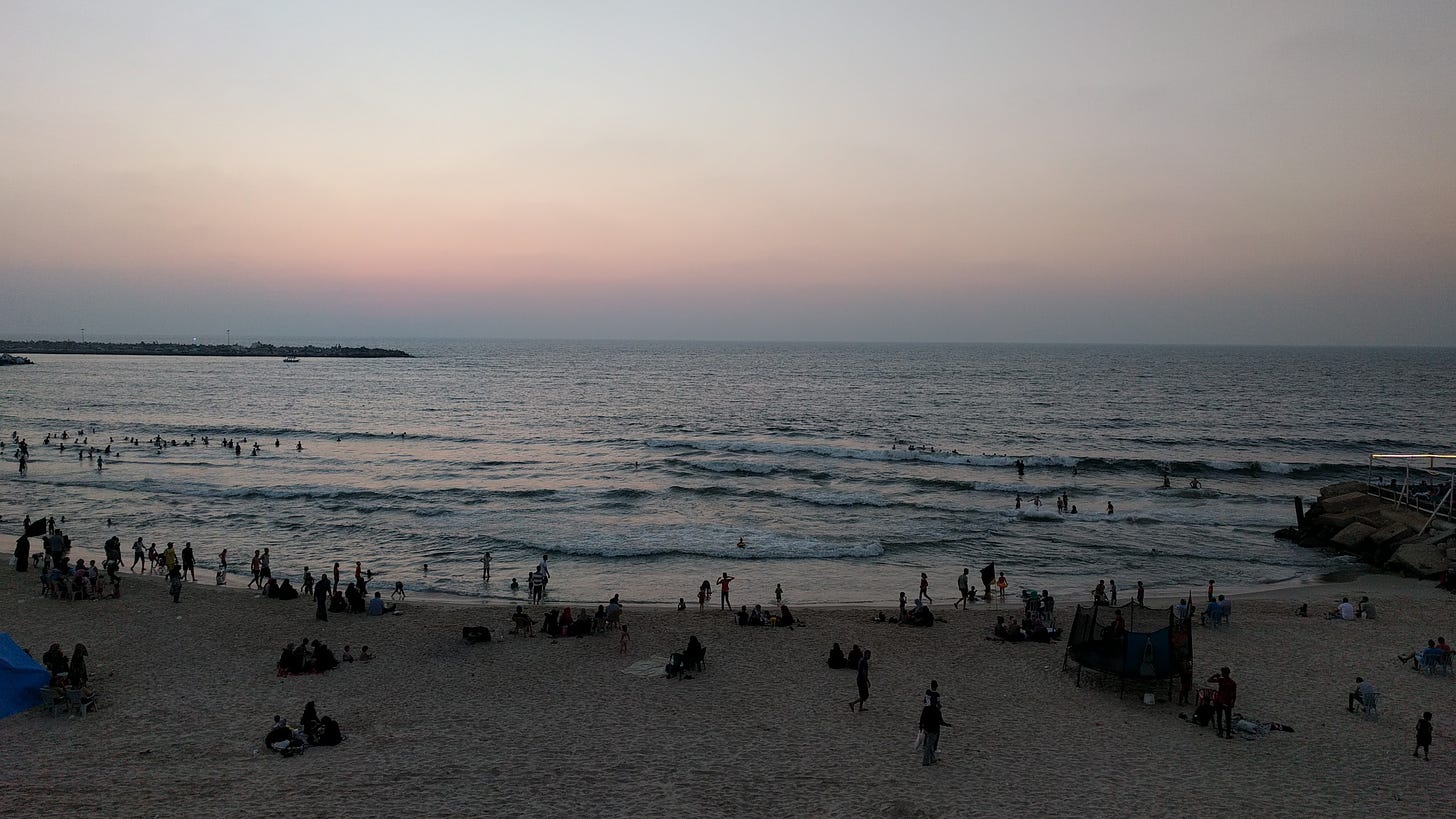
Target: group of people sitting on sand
x=566, y=623
x=313, y=657
x=838, y=659
x=1028, y=629
x=312, y=730
x=280, y=591
x=917, y=615
x=1364, y=610
x=759, y=617
x=78, y=581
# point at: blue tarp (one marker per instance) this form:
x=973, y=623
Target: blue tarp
x=21, y=678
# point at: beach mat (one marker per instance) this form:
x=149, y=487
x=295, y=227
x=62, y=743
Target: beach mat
x=653, y=667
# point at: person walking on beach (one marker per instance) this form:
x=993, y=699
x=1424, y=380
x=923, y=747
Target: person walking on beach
x=188, y=567
x=222, y=559
x=723, y=602
x=545, y=575
x=138, y=554
x=705, y=591
x=963, y=584
x=1140, y=594
x=486, y=562
x=625, y=642
x=1001, y=584
x=1113, y=584
x=174, y=583
x=930, y=723
x=336, y=573
x=1210, y=591
x=925, y=584
x=778, y=594
x=862, y=681
x=265, y=567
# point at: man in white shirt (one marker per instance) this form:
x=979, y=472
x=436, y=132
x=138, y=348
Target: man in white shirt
x=1345, y=611
x=1360, y=695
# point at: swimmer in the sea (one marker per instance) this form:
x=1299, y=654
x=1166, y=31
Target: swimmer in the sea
x=741, y=544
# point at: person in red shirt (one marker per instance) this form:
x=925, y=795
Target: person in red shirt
x=723, y=594
x=1223, y=703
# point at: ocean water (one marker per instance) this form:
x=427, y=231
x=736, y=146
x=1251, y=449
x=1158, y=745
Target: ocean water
x=638, y=466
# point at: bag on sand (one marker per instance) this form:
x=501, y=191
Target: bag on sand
x=919, y=739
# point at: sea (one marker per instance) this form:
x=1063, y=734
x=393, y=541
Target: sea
x=846, y=470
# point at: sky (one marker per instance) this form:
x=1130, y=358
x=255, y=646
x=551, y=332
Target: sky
x=1222, y=172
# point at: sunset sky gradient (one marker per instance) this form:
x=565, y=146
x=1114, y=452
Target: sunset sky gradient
x=1229, y=172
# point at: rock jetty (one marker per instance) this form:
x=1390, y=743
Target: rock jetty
x=6, y=360
x=1354, y=518
x=255, y=350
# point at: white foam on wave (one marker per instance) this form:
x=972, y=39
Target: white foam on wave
x=827, y=451
x=731, y=467
x=828, y=498
x=707, y=541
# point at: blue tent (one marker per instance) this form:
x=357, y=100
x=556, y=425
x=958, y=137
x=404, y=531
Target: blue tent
x=21, y=678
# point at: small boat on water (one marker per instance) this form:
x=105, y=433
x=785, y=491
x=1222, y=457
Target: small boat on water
x=293, y=359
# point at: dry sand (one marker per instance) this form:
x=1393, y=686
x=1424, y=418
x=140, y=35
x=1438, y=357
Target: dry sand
x=554, y=728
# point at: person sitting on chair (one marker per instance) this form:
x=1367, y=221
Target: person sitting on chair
x=1362, y=694
x=693, y=655
x=521, y=622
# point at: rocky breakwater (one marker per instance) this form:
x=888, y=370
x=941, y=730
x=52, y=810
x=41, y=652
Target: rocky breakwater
x=1350, y=518
x=6, y=360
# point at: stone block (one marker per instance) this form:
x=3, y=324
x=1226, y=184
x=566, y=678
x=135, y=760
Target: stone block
x=1418, y=559
x=1390, y=533
x=1353, y=535
x=1348, y=502
x=1342, y=488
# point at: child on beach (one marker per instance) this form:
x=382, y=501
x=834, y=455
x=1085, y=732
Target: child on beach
x=624, y=642
x=398, y=593
x=1423, y=736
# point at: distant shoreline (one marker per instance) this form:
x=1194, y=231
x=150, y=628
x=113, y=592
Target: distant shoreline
x=255, y=350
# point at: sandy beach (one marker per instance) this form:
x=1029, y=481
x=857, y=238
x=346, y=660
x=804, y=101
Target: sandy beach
x=436, y=726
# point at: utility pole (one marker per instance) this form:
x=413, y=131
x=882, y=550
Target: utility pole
x=230, y=338
x=83, y=335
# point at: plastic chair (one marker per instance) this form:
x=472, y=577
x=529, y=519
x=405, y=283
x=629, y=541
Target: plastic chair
x=1370, y=705
x=55, y=699
x=1431, y=663
x=75, y=698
